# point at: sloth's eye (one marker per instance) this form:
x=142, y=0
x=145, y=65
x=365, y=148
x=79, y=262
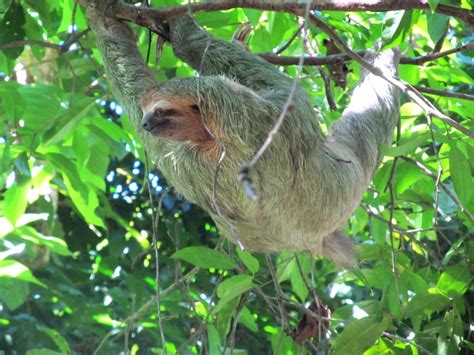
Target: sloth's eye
x=166, y=112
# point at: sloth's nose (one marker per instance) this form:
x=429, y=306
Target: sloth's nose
x=146, y=121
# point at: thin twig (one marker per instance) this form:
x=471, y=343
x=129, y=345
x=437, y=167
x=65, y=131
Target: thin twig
x=245, y=170
x=279, y=291
x=60, y=47
x=429, y=173
x=143, y=309
x=457, y=95
x=288, y=43
x=406, y=341
x=312, y=60
x=155, y=218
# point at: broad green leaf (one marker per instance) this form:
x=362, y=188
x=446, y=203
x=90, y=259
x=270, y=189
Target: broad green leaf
x=11, y=29
x=225, y=315
x=42, y=351
x=14, y=270
x=283, y=344
x=231, y=288
x=433, y=4
x=71, y=118
x=213, y=339
x=437, y=25
x=13, y=292
x=407, y=146
x=6, y=227
x=58, y=339
x=455, y=280
x=460, y=174
x=286, y=265
x=234, y=286
x=359, y=335
x=396, y=26
x=12, y=104
x=205, y=258
x=422, y=305
x=16, y=202
x=393, y=297
x=249, y=260
x=248, y=320
x=82, y=195
x=77, y=67
x=38, y=115
x=56, y=245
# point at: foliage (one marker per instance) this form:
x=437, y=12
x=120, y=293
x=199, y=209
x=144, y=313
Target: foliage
x=78, y=270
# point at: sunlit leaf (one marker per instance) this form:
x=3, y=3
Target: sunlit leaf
x=359, y=335
x=15, y=270
x=455, y=280
x=205, y=258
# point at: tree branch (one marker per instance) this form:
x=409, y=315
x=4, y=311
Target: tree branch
x=60, y=47
x=148, y=17
x=457, y=95
x=407, y=89
x=341, y=58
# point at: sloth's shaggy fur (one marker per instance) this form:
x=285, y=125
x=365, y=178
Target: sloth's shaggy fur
x=308, y=184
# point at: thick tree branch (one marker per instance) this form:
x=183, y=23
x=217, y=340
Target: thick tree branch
x=150, y=16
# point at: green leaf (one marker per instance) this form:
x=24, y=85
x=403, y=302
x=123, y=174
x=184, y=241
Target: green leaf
x=16, y=202
x=433, y=4
x=396, y=27
x=225, y=315
x=6, y=227
x=42, y=351
x=407, y=145
x=249, y=260
x=56, y=245
x=71, y=118
x=38, y=115
x=12, y=104
x=393, y=297
x=460, y=174
x=213, y=339
x=234, y=286
x=422, y=305
x=11, y=29
x=205, y=258
x=359, y=335
x=58, y=339
x=299, y=287
x=13, y=292
x=85, y=199
x=248, y=320
x=437, y=25
x=14, y=270
x=455, y=280
x=231, y=288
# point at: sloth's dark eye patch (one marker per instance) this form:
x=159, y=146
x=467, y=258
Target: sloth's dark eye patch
x=166, y=112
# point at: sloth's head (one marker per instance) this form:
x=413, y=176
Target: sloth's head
x=173, y=119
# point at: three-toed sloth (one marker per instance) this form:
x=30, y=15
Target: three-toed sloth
x=308, y=184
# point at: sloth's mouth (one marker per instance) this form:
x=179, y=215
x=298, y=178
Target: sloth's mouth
x=158, y=126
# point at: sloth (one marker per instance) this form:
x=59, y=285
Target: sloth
x=308, y=184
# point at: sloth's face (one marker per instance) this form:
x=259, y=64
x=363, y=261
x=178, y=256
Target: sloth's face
x=174, y=121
